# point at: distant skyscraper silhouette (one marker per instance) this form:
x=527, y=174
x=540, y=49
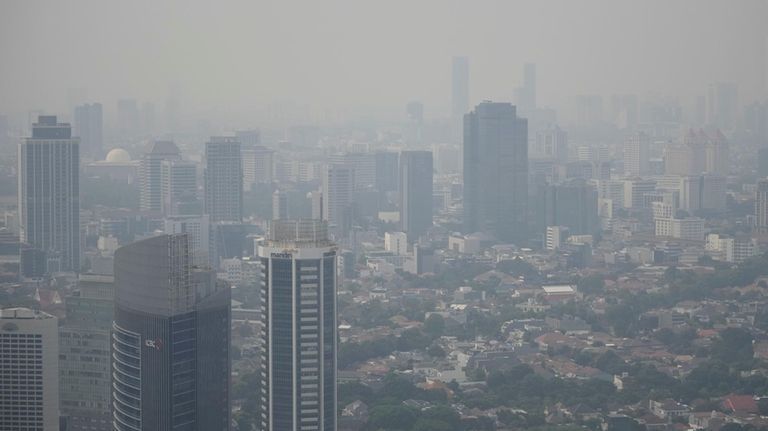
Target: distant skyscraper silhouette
x=636, y=154
x=89, y=128
x=496, y=172
x=338, y=190
x=170, y=340
x=298, y=327
x=223, y=180
x=415, y=193
x=49, y=191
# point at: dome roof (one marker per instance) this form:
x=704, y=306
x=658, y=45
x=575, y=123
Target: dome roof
x=118, y=155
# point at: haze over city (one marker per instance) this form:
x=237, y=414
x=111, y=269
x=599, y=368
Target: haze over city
x=384, y=216
x=228, y=62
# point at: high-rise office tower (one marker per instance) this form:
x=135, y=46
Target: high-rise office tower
x=552, y=143
x=573, y=205
x=279, y=205
x=723, y=105
x=151, y=173
x=338, y=190
x=636, y=154
x=496, y=172
x=386, y=171
x=249, y=138
x=298, y=327
x=258, y=165
x=223, y=180
x=364, y=164
x=415, y=193
x=89, y=128
x=49, y=191
x=29, y=370
x=170, y=340
x=84, y=355
x=761, y=206
x=179, y=187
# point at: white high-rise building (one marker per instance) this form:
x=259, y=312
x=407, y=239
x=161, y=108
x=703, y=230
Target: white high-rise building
x=178, y=187
x=396, y=242
x=364, y=165
x=636, y=154
x=29, y=370
x=258, y=165
x=151, y=173
x=49, y=191
x=299, y=327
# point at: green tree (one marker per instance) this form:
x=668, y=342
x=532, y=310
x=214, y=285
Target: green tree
x=434, y=326
x=734, y=346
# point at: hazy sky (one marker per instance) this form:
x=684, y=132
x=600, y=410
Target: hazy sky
x=232, y=56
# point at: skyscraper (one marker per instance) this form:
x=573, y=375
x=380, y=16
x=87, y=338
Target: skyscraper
x=636, y=154
x=84, y=355
x=298, y=327
x=49, y=191
x=572, y=205
x=29, y=370
x=88, y=127
x=179, y=187
x=151, y=173
x=258, y=165
x=552, y=143
x=170, y=340
x=338, y=189
x=223, y=180
x=415, y=193
x=761, y=206
x=496, y=172
x=386, y=171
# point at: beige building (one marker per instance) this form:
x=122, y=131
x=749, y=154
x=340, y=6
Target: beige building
x=29, y=370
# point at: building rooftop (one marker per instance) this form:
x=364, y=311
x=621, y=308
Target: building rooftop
x=23, y=313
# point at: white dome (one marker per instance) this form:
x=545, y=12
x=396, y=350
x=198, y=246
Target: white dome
x=118, y=155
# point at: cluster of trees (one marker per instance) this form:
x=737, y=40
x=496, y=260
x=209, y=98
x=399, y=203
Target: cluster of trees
x=521, y=387
x=411, y=339
x=388, y=412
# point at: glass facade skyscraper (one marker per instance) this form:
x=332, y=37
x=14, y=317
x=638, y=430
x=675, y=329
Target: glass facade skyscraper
x=496, y=172
x=170, y=340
